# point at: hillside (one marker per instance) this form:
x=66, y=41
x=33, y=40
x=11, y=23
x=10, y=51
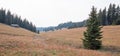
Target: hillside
x=8, y=30
x=65, y=42
x=17, y=40
x=72, y=38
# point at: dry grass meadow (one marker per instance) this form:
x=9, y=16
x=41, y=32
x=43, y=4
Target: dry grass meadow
x=65, y=42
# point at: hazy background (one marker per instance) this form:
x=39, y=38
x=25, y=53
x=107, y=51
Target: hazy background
x=45, y=13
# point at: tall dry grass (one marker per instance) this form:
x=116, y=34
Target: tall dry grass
x=20, y=42
x=8, y=30
x=72, y=38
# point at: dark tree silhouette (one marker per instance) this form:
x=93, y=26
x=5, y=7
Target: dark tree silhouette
x=92, y=35
x=8, y=18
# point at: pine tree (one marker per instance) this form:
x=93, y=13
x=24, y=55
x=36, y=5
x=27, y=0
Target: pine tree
x=113, y=14
x=2, y=15
x=104, y=17
x=117, y=12
x=93, y=35
x=100, y=17
x=118, y=16
x=109, y=15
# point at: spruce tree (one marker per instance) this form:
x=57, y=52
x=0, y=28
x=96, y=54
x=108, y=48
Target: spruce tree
x=109, y=14
x=92, y=35
x=100, y=17
x=104, y=17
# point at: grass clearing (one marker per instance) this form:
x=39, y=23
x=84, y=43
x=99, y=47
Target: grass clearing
x=66, y=42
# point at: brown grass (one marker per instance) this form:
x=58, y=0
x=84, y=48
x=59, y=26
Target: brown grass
x=8, y=30
x=20, y=42
x=72, y=38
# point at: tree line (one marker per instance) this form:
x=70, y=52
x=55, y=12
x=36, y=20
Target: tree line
x=67, y=25
x=70, y=25
x=110, y=16
x=6, y=17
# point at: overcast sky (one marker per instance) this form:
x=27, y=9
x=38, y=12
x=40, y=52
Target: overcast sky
x=45, y=13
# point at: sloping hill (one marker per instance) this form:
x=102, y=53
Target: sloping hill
x=17, y=41
x=8, y=30
x=72, y=38
x=12, y=37
x=66, y=42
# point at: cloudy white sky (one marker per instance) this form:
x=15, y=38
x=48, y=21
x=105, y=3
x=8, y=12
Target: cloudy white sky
x=45, y=13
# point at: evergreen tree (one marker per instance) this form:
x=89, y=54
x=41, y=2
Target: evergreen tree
x=2, y=15
x=8, y=18
x=109, y=15
x=117, y=12
x=100, y=17
x=104, y=17
x=117, y=21
x=117, y=16
x=93, y=35
x=113, y=14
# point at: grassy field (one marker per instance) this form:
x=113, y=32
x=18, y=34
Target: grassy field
x=72, y=38
x=66, y=42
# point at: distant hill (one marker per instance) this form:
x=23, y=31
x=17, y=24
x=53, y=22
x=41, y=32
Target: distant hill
x=40, y=28
x=67, y=25
x=45, y=29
